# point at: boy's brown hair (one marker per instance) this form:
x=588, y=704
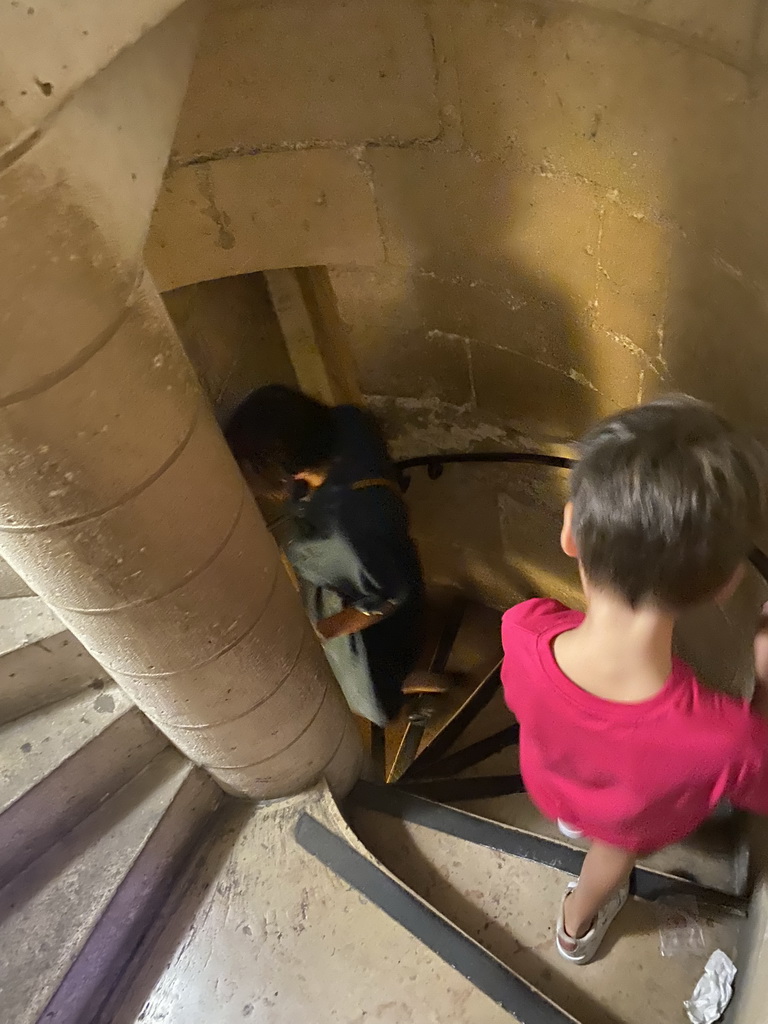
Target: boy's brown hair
x=667, y=500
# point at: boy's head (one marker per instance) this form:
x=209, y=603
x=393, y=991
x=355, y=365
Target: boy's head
x=279, y=432
x=665, y=503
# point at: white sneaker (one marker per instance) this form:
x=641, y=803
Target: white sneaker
x=581, y=951
x=568, y=830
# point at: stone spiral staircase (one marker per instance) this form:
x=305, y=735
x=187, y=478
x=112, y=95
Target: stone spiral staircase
x=132, y=890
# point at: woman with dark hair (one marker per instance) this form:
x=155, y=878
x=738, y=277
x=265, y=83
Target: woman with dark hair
x=348, y=538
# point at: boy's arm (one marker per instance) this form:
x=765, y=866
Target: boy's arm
x=760, y=699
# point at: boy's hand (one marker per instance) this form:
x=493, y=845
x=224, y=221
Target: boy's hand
x=761, y=648
x=760, y=698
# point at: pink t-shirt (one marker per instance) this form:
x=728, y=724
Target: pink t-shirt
x=637, y=776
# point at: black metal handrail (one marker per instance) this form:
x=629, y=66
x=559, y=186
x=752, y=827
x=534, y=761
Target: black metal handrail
x=436, y=463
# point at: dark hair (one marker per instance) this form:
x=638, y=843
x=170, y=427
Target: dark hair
x=667, y=500
x=279, y=428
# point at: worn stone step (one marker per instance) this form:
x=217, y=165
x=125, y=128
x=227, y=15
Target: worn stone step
x=11, y=584
x=58, y=763
x=70, y=922
x=510, y=905
x=716, y=855
x=269, y=933
x=475, y=651
x=40, y=660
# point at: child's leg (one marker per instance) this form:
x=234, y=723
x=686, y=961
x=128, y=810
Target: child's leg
x=606, y=869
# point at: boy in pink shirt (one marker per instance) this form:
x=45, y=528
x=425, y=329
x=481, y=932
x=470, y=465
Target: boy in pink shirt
x=617, y=737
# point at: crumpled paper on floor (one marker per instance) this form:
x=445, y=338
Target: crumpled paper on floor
x=713, y=990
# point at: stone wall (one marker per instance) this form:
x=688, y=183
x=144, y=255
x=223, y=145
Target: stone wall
x=231, y=335
x=534, y=213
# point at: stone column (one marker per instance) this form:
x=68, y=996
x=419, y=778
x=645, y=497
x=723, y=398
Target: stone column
x=119, y=502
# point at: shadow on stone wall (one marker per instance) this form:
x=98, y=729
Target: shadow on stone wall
x=534, y=212
x=591, y=234
x=478, y=349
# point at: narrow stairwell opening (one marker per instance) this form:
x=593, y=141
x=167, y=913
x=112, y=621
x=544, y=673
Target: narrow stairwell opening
x=232, y=336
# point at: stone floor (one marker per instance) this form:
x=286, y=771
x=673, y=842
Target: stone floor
x=48, y=912
x=716, y=855
x=267, y=933
x=263, y=931
x=510, y=907
x=25, y=620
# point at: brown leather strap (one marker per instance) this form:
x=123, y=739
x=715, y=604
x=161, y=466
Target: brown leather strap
x=378, y=481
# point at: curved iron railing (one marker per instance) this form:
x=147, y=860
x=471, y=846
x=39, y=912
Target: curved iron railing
x=436, y=463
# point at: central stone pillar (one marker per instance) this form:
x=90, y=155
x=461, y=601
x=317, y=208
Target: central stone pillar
x=119, y=501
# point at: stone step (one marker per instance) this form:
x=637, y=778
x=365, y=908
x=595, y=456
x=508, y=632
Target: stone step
x=40, y=660
x=716, y=855
x=510, y=905
x=269, y=932
x=489, y=720
x=475, y=652
x=74, y=918
x=11, y=584
x=57, y=764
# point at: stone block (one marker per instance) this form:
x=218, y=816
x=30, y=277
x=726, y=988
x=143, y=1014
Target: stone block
x=595, y=97
x=71, y=270
x=715, y=339
x=230, y=625
x=75, y=209
x=542, y=401
x=397, y=345
x=524, y=233
x=277, y=73
x=53, y=49
x=720, y=652
x=45, y=671
x=231, y=335
x=554, y=234
x=11, y=584
x=720, y=199
x=456, y=526
x=92, y=458
x=313, y=334
x=206, y=328
x=615, y=371
x=672, y=129
x=530, y=517
x=418, y=365
x=655, y=382
x=142, y=552
x=303, y=753
x=492, y=530
x=389, y=303
x=248, y=213
x=287, y=713
x=632, y=282
x=416, y=427
x=721, y=29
